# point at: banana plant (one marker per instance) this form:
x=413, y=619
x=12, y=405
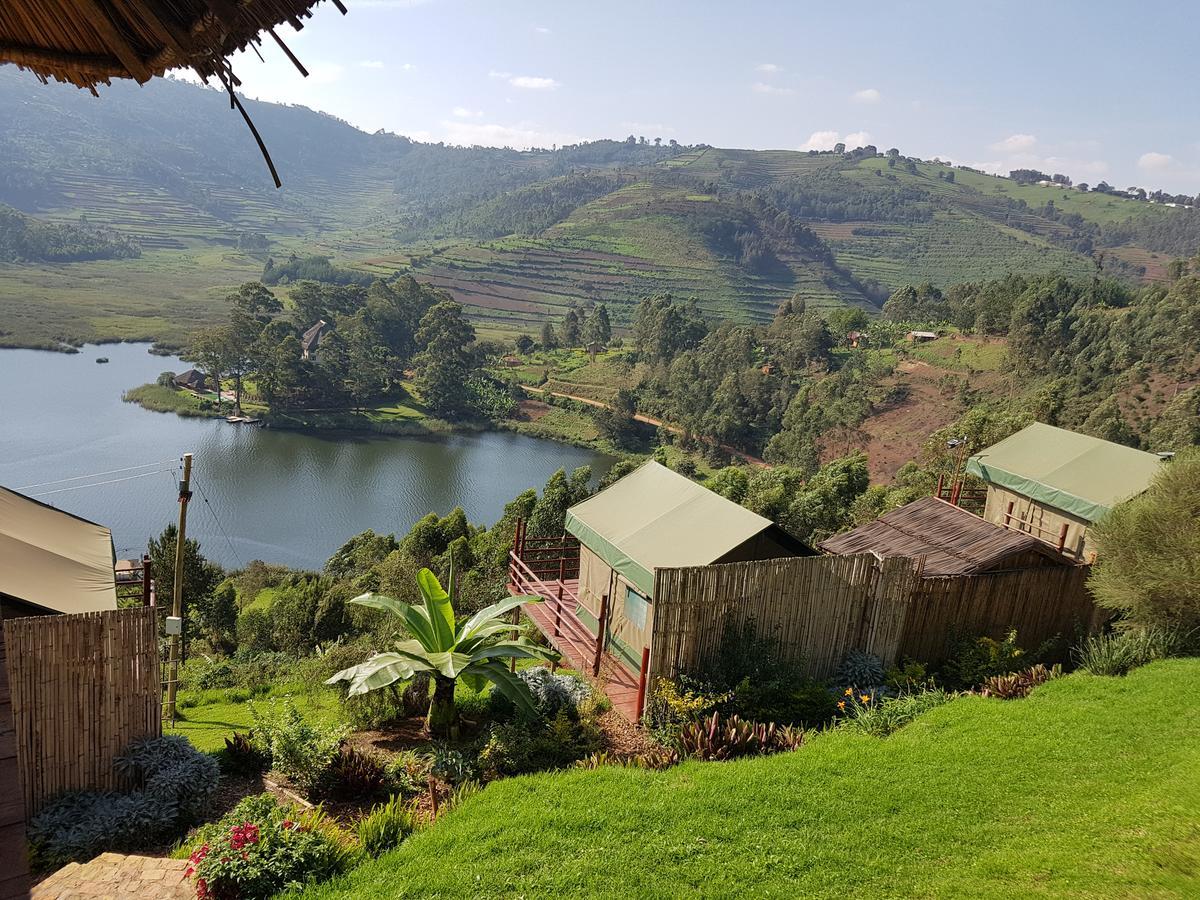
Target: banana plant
x=475, y=650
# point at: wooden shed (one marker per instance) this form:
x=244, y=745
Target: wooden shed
x=950, y=541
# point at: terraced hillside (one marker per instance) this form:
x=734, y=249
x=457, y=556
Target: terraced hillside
x=516, y=236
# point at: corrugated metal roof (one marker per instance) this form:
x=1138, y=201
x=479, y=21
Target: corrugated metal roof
x=654, y=518
x=1079, y=474
x=952, y=540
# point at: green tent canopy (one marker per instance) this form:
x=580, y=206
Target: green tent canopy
x=654, y=518
x=1078, y=474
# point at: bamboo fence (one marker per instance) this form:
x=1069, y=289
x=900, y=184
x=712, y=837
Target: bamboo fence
x=83, y=688
x=14, y=865
x=819, y=608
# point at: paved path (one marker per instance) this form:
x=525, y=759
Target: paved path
x=112, y=876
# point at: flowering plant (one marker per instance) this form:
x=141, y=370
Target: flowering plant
x=260, y=849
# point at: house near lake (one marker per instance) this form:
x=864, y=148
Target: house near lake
x=191, y=380
x=1055, y=484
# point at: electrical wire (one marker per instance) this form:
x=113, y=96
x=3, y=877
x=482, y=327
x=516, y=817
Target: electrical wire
x=77, y=487
x=161, y=462
x=221, y=528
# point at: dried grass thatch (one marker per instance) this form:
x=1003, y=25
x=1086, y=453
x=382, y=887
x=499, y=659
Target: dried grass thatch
x=90, y=42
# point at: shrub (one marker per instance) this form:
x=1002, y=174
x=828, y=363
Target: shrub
x=452, y=765
x=300, y=750
x=673, y=705
x=717, y=739
x=550, y=693
x=243, y=756
x=407, y=773
x=386, y=826
x=860, y=669
x=522, y=746
x=891, y=714
x=1147, y=548
x=174, y=783
x=906, y=678
x=972, y=661
x=806, y=701
x=1120, y=652
x=261, y=848
x=1019, y=684
x=374, y=709
x=354, y=774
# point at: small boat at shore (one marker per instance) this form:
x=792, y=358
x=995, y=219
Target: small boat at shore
x=243, y=420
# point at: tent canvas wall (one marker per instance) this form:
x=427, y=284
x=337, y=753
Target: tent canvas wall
x=1053, y=478
x=52, y=561
x=655, y=518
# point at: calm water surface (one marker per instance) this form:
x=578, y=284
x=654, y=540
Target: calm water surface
x=260, y=493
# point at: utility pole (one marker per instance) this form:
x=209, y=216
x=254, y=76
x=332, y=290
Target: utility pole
x=185, y=494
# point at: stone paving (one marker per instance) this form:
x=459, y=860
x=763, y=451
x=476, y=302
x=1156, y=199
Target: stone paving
x=111, y=876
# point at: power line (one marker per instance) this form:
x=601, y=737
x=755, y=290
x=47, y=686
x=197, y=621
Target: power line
x=221, y=528
x=77, y=487
x=96, y=475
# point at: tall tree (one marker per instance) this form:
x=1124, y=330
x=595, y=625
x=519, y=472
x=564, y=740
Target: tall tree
x=598, y=329
x=570, y=329
x=445, y=363
x=200, y=577
x=549, y=338
x=211, y=351
x=252, y=307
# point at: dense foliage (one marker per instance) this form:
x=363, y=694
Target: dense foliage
x=26, y=239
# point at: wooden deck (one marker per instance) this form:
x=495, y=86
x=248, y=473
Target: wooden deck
x=555, y=617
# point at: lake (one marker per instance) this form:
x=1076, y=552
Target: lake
x=259, y=493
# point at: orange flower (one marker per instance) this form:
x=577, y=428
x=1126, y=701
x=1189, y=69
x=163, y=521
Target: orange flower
x=864, y=698
x=842, y=705
x=849, y=692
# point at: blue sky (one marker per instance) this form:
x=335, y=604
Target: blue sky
x=1098, y=91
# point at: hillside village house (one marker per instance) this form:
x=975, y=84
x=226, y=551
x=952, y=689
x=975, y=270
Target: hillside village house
x=192, y=380
x=51, y=561
x=1054, y=484
x=920, y=337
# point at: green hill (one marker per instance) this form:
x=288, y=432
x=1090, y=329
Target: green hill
x=516, y=236
x=1088, y=788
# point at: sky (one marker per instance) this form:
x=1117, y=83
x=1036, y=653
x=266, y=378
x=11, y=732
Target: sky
x=1097, y=90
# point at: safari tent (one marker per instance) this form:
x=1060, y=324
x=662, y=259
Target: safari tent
x=651, y=519
x=52, y=561
x=1053, y=483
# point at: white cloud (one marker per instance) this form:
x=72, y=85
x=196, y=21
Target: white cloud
x=1015, y=143
x=760, y=87
x=463, y=113
x=824, y=140
x=519, y=136
x=867, y=95
x=768, y=68
x=495, y=73
x=541, y=29
x=1155, y=162
x=820, y=140
x=653, y=128
x=407, y=67
x=533, y=82
x=371, y=64
x=324, y=73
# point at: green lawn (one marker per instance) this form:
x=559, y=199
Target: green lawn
x=219, y=713
x=1089, y=788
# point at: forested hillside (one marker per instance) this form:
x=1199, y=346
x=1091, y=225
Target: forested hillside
x=517, y=237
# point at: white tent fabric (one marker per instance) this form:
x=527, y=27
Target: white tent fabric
x=53, y=559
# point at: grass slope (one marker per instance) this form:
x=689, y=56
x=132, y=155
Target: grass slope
x=1088, y=788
